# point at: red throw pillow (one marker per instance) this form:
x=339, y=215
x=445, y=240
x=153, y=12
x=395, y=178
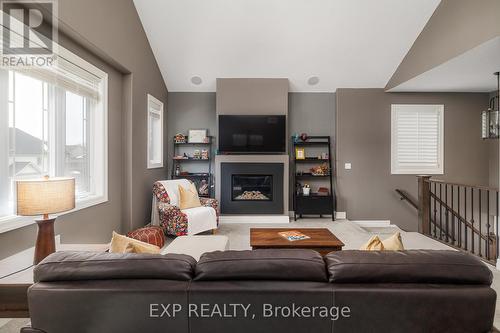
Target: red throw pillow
x=150, y=235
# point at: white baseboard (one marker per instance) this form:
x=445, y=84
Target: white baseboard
x=227, y=219
x=341, y=215
x=373, y=223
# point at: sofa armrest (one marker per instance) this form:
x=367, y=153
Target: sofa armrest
x=209, y=202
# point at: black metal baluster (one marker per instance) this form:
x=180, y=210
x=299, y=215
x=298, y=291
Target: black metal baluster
x=440, y=212
x=447, y=213
x=496, y=231
x=472, y=233
x=465, y=218
x=435, y=211
x=453, y=214
x=488, y=238
x=430, y=211
x=480, y=222
x=459, y=222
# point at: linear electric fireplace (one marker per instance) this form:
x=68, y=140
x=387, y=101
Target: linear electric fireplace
x=251, y=188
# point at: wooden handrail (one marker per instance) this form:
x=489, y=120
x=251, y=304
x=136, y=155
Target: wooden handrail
x=414, y=204
x=480, y=187
x=405, y=196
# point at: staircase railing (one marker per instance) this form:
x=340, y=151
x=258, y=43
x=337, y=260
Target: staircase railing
x=462, y=216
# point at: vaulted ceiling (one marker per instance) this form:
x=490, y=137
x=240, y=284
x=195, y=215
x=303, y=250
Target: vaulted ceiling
x=471, y=71
x=344, y=43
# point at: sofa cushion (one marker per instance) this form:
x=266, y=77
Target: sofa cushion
x=266, y=264
x=412, y=266
x=72, y=266
x=200, y=219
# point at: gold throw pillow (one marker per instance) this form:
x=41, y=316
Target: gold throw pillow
x=139, y=248
x=188, y=198
x=393, y=243
x=373, y=244
x=119, y=244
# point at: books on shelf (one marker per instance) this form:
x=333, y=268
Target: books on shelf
x=293, y=235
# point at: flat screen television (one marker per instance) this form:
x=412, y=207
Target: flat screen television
x=252, y=134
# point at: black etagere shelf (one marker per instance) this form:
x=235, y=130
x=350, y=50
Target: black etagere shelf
x=314, y=203
x=196, y=177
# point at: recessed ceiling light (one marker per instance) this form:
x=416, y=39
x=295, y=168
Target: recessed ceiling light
x=196, y=80
x=313, y=80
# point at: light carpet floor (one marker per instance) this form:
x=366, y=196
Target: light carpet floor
x=352, y=235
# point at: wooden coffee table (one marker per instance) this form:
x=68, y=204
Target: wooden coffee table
x=322, y=240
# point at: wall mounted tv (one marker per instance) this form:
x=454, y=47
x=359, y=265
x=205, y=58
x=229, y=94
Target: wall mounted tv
x=252, y=134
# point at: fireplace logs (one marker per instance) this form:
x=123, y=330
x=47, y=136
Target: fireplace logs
x=252, y=195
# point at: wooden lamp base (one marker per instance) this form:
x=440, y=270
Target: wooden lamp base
x=45, y=241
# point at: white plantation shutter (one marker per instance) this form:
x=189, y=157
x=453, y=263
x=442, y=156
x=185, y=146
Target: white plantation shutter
x=417, y=139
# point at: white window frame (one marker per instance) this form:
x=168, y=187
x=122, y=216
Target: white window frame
x=151, y=110
x=99, y=159
x=395, y=169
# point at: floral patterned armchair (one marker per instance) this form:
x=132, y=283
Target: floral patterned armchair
x=174, y=221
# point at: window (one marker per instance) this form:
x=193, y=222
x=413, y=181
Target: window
x=155, y=133
x=417, y=139
x=56, y=125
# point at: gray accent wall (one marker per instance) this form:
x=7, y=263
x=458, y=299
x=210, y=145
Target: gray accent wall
x=313, y=113
x=252, y=96
x=493, y=163
x=364, y=139
x=113, y=39
x=190, y=110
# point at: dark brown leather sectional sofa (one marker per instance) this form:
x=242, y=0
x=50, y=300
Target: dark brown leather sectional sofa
x=262, y=291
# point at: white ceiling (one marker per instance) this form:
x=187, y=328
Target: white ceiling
x=471, y=71
x=346, y=43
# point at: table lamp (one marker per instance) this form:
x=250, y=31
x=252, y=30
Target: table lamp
x=45, y=196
